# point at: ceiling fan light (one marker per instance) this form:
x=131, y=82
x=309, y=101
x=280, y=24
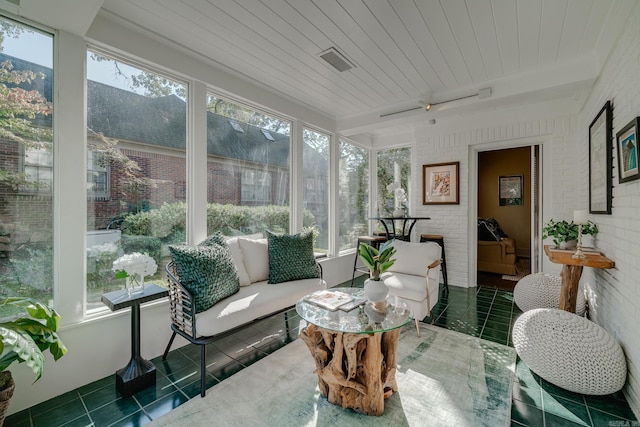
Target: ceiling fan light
x=428, y=107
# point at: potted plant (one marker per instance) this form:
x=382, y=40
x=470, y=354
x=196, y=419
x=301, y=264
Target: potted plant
x=23, y=339
x=565, y=234
x=377, y=261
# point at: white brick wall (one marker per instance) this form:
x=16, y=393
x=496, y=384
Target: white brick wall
x=446, y=145
x=615, y=294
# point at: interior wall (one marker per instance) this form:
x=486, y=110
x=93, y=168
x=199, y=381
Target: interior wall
x=514, y=220
x=614, y=295
x=542, y=124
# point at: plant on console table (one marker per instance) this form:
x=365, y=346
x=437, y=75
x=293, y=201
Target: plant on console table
x=565, y=234
x=377, y=261
x=23, y=340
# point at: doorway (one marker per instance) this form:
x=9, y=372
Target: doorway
x=507, y=206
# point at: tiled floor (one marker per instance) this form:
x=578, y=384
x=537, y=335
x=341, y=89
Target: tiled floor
x=483, y=312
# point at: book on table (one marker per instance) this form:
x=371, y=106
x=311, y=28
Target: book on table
x=331, y=300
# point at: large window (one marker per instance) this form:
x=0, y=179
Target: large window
x=315, y=172
x=394, y=167
x=353, y=193
x=26, y=163
x=38, y=169
x=136, y=169
x=247, y=169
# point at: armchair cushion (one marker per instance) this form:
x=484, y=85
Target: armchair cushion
x=413, y=258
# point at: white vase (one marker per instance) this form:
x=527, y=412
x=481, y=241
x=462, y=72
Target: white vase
x=398, y=213
x=375, y=290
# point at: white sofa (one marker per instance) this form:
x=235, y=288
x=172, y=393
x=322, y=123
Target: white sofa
x=256, y=298
x=414, y=277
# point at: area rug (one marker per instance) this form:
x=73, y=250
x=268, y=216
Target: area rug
x=523, y=268
x=444, y=378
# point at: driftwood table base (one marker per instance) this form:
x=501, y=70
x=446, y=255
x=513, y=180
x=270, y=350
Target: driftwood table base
x=355, y=371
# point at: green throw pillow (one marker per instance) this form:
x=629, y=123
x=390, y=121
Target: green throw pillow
x=291, y=257
x=216, y=238
x=207, y=272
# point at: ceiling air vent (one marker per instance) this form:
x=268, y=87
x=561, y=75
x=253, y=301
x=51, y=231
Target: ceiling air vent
x=336, y=59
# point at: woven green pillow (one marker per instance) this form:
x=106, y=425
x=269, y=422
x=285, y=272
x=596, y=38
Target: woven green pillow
x=216, y=238
x=207, y=272
x=291, y=257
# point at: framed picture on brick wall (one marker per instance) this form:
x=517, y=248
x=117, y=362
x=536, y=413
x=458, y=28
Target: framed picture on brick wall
x=600, y=162
x=627, y=144
x=441, y=184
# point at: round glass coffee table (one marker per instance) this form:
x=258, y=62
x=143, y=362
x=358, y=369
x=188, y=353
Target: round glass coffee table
x=355, y=350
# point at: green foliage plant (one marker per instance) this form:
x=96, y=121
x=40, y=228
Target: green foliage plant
x=25, y=338
x=377, y=260
x=564, y=231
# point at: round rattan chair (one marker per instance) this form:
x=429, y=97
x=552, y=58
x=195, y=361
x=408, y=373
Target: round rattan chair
x=570, y=351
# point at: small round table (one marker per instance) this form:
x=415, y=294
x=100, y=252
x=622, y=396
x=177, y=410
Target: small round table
x=354, y=351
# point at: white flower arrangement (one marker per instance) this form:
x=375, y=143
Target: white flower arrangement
x=398, y=193
x=134, y=264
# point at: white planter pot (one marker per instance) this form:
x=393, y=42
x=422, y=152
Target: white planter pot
x=375, y=290
x=568, y=245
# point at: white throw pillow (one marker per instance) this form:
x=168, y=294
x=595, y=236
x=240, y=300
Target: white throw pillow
x=256, y=258
x=413, y=258
x=238, y=260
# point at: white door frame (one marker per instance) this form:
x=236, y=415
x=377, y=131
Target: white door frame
x=544, y=197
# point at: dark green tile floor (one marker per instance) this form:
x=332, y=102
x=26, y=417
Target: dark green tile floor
x=482, y=312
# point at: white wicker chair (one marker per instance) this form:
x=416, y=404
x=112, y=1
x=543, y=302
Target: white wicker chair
x=570, y=351
x=542, y=290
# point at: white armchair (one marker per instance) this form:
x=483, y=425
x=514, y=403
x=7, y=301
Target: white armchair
x=415, y=276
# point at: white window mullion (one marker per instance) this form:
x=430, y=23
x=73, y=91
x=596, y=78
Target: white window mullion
x=70, y=214
x=197, y=163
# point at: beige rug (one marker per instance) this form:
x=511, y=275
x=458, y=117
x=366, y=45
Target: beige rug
x=523, y=268
x=444, y=378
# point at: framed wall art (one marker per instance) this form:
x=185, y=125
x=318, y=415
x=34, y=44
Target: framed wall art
x=510, y=190
x=441, y=184
x=600, y=162
x=627, y=148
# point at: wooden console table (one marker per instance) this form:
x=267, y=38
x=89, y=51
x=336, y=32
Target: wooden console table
x=572, y=271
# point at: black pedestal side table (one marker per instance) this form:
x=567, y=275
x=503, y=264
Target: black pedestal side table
x=139, y=372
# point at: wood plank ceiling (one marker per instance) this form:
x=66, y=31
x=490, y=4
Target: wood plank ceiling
x=403, y=50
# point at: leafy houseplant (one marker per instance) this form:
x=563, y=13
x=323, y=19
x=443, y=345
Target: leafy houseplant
x=563, y=231
x=377, y=260
x=24, y=339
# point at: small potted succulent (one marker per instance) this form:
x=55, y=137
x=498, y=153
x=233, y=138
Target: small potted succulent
x=24, y=339
x=565, y=234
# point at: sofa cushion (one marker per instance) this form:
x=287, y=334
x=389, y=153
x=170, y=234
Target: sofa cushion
x=256, y=258
x=252, y=302
x=238, y=261
x=206, y=271
x=216, y=238
x=413, y=258
x=291, y=257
